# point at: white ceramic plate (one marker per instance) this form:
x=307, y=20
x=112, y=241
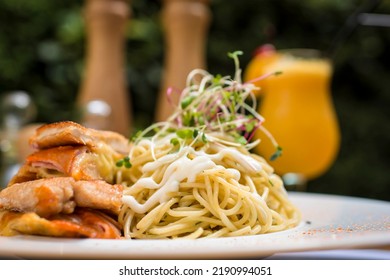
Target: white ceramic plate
x=329, y=222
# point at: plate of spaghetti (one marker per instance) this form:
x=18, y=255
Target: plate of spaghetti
x=187, y=187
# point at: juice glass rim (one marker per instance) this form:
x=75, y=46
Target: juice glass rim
x=304, y=53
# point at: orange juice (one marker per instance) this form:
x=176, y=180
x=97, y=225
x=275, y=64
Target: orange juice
x=265, y=55
x=299, y=113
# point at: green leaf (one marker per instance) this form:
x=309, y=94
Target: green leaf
x=217, y=79
x=235, y=54
x=170, y=129
x=187, y=101
x=124, y=162
x=188, y=119
x=249, y=126
x=184, y=133
x=175, y=141
x=241, y=139
x=277, y=153
x=200, y=119
x=204, y=138
x=277, y=73
x=135, y=135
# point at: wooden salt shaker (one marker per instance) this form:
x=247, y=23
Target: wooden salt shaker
x=104, y=78
x=185, y=25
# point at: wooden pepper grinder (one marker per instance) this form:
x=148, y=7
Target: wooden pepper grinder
x=185, y=25
x=104, y=82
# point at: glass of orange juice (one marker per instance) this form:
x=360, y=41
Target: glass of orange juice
x=299, y=113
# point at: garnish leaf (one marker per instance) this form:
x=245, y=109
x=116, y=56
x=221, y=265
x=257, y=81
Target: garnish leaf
x=136, y=135
x=204, y=138
x=175, y=141
x=187, y=101
x=241, y=140
x=277, y=153
x=249, y=126
x=185, y=133
x=188, y=119
x=124, y=162
x=235, y=54
x=195, y=133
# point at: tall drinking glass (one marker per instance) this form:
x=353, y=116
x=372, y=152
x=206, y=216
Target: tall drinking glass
x=299, y=113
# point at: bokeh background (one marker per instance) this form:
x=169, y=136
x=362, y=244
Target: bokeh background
x=42, y=51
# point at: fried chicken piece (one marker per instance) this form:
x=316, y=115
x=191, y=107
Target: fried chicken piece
x=69, y=133
x=82, y=223
x=51, y=196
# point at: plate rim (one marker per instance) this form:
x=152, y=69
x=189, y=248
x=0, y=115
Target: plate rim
x=20, y=246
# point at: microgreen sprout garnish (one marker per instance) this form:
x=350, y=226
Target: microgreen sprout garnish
x=135, y=135
x=215, y=109
x=235, y=55
x=185, y=133
x=277, y=153
x=124, y=162
x=241, y=140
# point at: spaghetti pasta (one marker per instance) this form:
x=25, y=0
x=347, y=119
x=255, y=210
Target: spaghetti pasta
x=205, y=192
x=196, y=177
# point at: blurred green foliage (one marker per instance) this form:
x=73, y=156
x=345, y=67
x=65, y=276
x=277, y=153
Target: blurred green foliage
x=42, y=50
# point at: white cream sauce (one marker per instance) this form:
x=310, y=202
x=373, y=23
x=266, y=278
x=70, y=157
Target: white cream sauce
x=183, y=168
x=245, y=161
